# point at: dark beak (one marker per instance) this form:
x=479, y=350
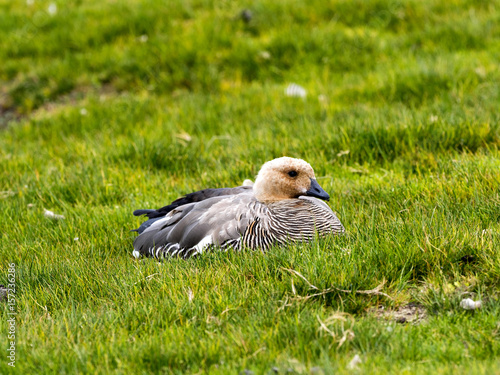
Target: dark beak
x=316, y=191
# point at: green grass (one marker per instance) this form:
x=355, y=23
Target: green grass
x=96, y=121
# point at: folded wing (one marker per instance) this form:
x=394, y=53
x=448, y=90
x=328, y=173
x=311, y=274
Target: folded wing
x=188, y=229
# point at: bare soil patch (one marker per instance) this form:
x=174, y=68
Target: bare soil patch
x=410, y=313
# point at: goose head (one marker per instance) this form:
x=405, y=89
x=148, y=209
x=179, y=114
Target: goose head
x=286, y=178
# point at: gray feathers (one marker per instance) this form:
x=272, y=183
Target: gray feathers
x=197, y=196
x=234, y=220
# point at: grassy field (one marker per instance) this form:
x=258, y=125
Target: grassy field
x=111, y=106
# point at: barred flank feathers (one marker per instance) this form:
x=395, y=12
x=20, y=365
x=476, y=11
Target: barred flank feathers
x=287, y=224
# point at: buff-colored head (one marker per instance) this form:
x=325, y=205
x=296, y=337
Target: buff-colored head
x=286, y=178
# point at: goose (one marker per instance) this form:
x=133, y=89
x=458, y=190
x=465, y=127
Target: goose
x=285, y=204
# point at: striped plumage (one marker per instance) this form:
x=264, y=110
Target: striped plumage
x=281, y=207
x=291, y=220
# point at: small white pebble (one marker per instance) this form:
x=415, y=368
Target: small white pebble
x=52, y=215
x=52, y=9
x=143, y=38
x=83, y=112
x=469, y=304
x=355, y=361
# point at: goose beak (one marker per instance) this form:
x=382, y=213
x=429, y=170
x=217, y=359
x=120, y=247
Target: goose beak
x=317, y=191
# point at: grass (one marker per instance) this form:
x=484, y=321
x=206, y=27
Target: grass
x=400, y=122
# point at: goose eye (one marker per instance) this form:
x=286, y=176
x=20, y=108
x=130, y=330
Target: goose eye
x=292, y=174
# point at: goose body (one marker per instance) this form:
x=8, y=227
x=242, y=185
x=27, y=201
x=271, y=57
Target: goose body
x=281, y=207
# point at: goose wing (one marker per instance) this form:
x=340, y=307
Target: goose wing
x=197, y=196
x=188, y=229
